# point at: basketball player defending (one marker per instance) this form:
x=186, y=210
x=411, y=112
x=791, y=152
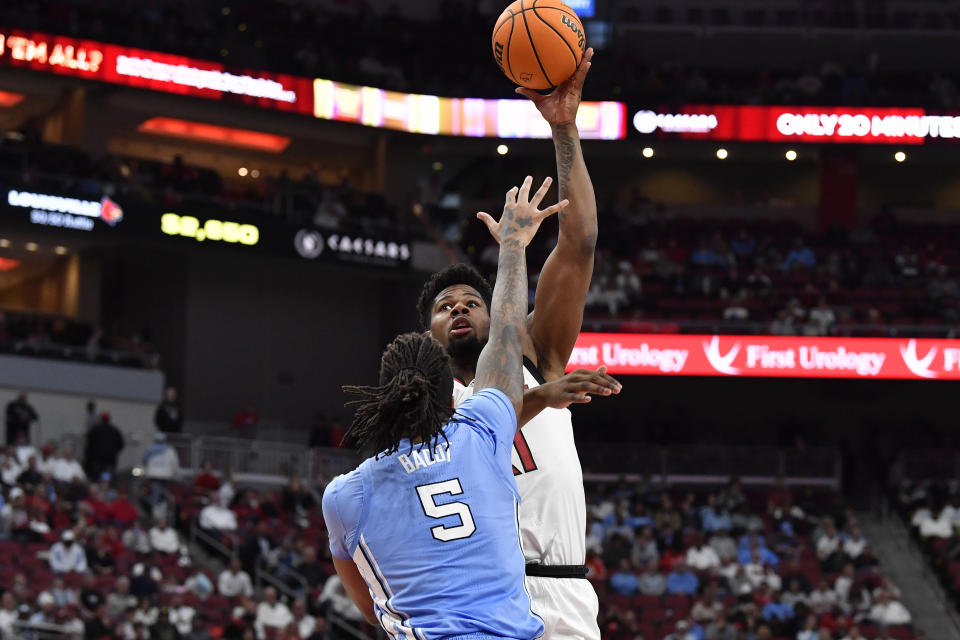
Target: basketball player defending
x=455, y=304
x=428, y=527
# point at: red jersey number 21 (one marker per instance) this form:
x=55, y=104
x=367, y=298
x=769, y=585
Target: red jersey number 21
x=523, y=452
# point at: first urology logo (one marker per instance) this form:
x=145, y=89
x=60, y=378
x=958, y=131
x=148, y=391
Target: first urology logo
x=722, y=363
x=920, y=366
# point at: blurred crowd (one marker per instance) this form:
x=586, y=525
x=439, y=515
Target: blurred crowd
x=283, y=37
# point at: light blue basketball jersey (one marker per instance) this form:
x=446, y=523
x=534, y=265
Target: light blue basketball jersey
x=434, y=530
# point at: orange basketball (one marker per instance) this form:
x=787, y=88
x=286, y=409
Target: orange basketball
x=538, y=43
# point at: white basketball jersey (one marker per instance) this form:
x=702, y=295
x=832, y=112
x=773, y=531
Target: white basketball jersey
x=553, y=512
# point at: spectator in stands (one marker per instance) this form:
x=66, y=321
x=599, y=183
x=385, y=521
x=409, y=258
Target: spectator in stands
x=624, y=580
x=207, y=480
x=66, y=556
x=702, y=557
x=91, y=599
x=682, y=580
x=853, y=634
x=246, y=421
x=181, y=615
x=62, y=595
x=820, y=319
x=297, y=498
x=45, y=614
x=160, y=461
x=271, y=614
x=306, y=623
x=234, y=581
x=217, y=519
x=101, y=626
x=777, y=612
x=145, y=580
x=31, y=476
x=721, y=629
x=644, y=551
x=120, y=599
x=822, y=599
x=20, y=415
x=310, y=568
x=100, y=555
x=163, y=628
x=136, y=538
x=712, y=517
x=168, y=417
x=800, y=257
x=198, y=629
x=257, y=543
x=334, y=598
x=104, y=444
x=47, y=460
x=163, y=537
x=829, y=547
x=146, y=614
x=810, y=629
x=888, y=612
x=794, y=595
x=707, y=608
x=66, y=468
x=121, y=511
x=723, y=544
x=8, y=615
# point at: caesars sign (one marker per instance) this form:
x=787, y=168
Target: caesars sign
x=764, y=356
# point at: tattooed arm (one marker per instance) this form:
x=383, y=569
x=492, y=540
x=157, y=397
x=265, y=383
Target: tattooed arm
x=500, y=365
x=565, y=278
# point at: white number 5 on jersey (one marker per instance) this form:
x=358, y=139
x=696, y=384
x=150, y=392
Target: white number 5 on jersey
x=428, y=494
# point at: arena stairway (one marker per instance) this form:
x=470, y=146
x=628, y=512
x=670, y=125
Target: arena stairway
x=932, y=610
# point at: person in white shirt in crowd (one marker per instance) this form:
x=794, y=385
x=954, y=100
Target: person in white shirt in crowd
x=45, y=615
x=163, y=537
x=886, y=584
x=228, y=488
x=823, y=598
x=47, y=461
x=929, y=526
x=67, y=468
x=888, y=612
x=335, y=598
x=160, y=461
x=120, y=599
x=8, y=614
x=181, y=615
x=306, y=623
x=136, y=538
x=10, y=470
x=234, y=581
x=146, y=614
x=604, y=508
x=702, y=557
x=794, y=596
x=855, y=544
x=853, y=634
x=67, y=556
x=829, y=547
x=271, y=613
x=724, y=544
x=843, y=584
x=215, y=517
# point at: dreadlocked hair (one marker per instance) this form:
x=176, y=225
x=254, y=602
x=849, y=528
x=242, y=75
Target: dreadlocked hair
x=447, y=277
x=412, y=400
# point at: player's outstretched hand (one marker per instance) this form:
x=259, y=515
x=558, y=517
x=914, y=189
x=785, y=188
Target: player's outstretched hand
x=577, y=387
x=559, y=107
x=521, y=218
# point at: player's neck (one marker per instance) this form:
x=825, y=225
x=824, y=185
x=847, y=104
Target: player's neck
x=463, y=373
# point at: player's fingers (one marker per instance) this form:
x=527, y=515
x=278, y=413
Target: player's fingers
x=605, y=381
x=581, y=73
x=588, y=386
x=576, y=398
x=512, y=196
x=541, y=192
x=529, y=93
x=488, y=220
x=524, y=196
x=552, y=209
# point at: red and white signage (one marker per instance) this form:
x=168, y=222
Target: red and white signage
x=848, y=125
x=766, y=356
x=152, y=70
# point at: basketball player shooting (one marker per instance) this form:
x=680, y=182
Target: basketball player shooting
x=455, y=305
x=428, y=527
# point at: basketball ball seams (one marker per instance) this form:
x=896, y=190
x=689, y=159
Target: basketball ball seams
x=533, y=46
x=562, y=10
x=507, y=19
x=554, y=29
x=509, y=38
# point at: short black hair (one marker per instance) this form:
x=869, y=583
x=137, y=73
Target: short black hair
x=447, y=277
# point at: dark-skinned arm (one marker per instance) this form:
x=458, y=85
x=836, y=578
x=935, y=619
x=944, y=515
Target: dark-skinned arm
x=565, y=278
x=356, y=587
x=575, y=387
x=500, y=365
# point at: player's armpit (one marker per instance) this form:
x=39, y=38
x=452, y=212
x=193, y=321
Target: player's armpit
x=356, y=588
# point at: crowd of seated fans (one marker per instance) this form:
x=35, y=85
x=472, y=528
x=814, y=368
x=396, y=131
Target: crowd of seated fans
x=282, y=36
x=932, y=511
x=31, y=334
x=656, y=272
x=313, y=199
x=732, y=566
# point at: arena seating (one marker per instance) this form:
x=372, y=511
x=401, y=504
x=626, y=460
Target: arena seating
x=282, y=525
x=272, y=37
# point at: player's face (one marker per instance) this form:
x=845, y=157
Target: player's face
x=460, y=321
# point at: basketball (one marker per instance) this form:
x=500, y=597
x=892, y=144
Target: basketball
x=538, y=44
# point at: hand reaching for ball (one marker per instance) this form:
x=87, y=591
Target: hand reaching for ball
x=559, y=107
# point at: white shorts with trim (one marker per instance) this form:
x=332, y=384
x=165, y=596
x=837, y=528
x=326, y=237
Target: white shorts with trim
x=568, y=606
